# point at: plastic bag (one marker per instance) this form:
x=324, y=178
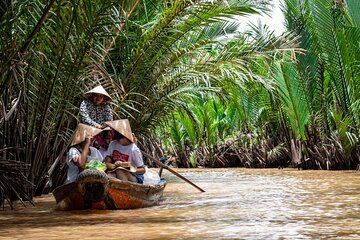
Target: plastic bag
x=96, y=165
x=151, y=177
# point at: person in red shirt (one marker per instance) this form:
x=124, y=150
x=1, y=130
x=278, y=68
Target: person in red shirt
x=123, y=157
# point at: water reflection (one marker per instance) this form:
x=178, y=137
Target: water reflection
x=237, y=204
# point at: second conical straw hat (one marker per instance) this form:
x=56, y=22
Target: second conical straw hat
x=122, y=126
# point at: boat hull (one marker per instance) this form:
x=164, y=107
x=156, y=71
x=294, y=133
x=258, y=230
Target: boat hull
x=95, y=190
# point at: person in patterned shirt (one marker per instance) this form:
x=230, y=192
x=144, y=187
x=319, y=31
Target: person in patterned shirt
x=95, y=108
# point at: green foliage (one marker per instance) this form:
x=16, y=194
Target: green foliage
x=342, y=134
x=329, y=69
x=291, y=94
x=193, y=159
x=170, y=52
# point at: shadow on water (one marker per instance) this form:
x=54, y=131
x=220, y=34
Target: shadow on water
x=238, y=204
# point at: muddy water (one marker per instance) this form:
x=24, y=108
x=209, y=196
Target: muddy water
x=238, y=204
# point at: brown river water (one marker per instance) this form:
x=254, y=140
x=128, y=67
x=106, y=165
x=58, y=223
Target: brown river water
x=238, y=204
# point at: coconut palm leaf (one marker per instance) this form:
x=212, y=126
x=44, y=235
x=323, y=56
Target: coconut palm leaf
x=328, y=66
x=177, y=134
x=311, y=69
x=277, y=152
x=346, y=139
x=291, y=95
x=352, y=6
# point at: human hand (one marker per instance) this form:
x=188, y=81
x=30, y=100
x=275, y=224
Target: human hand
x=107, y=159
x=89, y=141
x=99, y=126
x=76, y=160
x=122, y=164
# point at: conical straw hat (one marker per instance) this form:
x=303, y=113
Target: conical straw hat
x=100, y=90
x=122, y=126
x=83, y=131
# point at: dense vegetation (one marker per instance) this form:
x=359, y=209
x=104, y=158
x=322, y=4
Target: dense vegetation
x=193, y=87
x=301, y=108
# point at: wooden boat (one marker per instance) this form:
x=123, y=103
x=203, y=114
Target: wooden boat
x=95, y=190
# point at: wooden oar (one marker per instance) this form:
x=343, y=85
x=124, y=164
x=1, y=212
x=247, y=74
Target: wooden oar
x=170, y=170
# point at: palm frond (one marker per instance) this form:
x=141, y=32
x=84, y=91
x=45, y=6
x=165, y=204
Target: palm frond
x=291, y=95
